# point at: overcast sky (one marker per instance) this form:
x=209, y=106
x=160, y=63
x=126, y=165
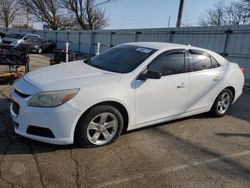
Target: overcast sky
x=153, y=13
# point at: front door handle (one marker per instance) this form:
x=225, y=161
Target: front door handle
x=182, y=85
x=217, y=78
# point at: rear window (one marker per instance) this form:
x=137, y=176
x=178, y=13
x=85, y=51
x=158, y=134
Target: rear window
x=199, y=60
x=121, y=59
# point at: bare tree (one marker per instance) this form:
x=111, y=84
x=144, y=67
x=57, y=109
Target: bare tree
x=235, y=13
x=48, y=11
x=247, y=8
x=215, y=15
x=87, y=15
x=24, y=16
x=8, y=11
x=22, y=26
x=202, y=21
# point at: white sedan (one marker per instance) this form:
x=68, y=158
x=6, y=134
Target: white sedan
x=130, y=86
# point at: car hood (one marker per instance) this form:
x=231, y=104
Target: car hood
x=70, y=75
x=9, y=39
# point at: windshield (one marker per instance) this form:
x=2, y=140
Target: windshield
x=15, y=36
x=122, y=59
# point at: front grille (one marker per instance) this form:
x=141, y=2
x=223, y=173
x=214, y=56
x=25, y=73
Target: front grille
x=39, y=131
x=23, y=95
x=7, y=42
x=15, y=107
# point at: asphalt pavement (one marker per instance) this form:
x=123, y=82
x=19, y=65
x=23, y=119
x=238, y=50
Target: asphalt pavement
x=199, y=151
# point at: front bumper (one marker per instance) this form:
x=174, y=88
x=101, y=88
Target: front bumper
x=60, y=120
x=33, y=49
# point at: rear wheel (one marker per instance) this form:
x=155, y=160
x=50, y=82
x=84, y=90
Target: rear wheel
x=222, y=103
x=101, y=126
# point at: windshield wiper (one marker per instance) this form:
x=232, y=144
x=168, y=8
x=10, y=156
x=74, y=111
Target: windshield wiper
x=87, y=61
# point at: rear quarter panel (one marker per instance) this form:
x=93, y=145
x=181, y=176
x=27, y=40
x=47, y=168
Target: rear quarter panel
x=235, y=78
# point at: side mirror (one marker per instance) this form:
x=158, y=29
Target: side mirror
x=149, y=74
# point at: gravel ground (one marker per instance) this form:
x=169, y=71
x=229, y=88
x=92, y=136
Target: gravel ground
x=198, y=151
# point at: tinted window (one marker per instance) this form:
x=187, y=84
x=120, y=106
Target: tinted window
x=35, y=40
x=28, y=37
x=167, y=64
x=215, y=64
x=201, y=61
x=122, y=59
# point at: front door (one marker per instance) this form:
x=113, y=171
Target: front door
x=167, y=96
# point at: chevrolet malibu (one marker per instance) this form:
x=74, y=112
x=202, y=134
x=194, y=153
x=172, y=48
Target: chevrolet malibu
x=130, y=86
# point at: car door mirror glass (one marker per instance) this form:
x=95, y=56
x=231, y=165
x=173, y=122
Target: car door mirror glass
x=149, y=74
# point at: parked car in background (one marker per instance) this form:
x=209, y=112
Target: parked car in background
x=14, y=63
x=38, y=45
x=2, y=35
x=15, y=39
x=127, y=87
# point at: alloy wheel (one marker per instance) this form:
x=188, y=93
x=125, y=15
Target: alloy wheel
x=102, y=128
x=224, y=103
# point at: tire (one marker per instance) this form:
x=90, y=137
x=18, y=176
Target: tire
x=102, y=125
x=220, y=106
x=39, y=50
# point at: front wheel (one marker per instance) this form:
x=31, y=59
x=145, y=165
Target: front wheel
x=40, y=51
x=222, y=103
x=101, y=126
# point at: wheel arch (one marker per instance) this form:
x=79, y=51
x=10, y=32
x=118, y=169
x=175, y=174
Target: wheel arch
x=115, y=104
x=232, y=89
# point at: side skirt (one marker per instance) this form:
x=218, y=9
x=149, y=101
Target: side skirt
x=175, y=117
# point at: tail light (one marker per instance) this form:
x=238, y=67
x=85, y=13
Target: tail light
x=243, y=70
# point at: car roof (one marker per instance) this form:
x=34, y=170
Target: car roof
x=165, y=46
x=168, y=46
x=32, y=34
x=157, y=45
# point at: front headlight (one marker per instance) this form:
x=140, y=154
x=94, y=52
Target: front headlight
x=36, y=46
x=52, y=98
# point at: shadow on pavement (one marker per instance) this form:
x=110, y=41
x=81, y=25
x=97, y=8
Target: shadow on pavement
x=241, y=108
x=203, y=152
x=233, y=135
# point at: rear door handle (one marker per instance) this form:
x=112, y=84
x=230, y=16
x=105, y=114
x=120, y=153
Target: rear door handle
x=182, y=85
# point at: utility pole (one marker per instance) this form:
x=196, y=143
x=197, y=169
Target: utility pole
x=27, y=17
x=178, y=23
x=169, y=20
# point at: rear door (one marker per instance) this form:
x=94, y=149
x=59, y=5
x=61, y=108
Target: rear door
x=205, y=78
